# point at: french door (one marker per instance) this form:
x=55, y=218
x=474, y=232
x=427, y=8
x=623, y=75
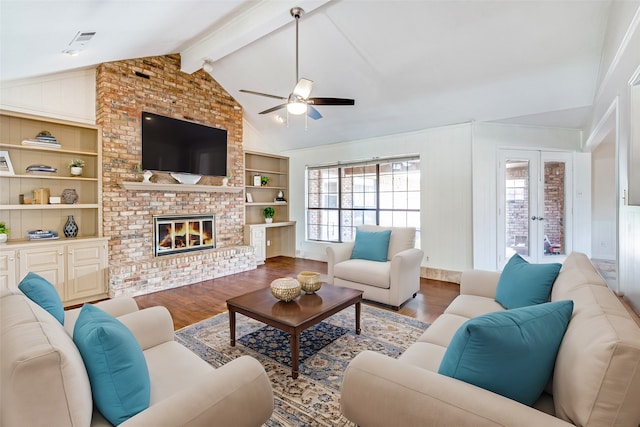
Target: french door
x=534, y=205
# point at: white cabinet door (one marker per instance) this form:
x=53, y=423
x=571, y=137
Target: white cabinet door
x=7, y=269
x=256, y=236
x=47, y=262
x=86, y=266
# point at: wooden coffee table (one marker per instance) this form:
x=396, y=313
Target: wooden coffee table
x=294, y=316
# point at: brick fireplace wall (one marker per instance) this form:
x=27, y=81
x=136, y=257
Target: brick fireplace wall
x=156, y=84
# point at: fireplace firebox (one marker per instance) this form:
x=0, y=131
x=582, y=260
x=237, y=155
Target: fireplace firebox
x=183, y=233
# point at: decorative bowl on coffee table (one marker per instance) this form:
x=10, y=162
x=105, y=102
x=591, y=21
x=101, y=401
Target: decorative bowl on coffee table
x=309, y=281
x=285, y=289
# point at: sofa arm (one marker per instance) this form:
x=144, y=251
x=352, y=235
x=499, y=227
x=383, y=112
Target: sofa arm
x=151, y=326
x=407, y=259
x=236, y=394
x=404, y=275
x=381, y=391
x=337, y=252
x=479, y=282
x=115, y=307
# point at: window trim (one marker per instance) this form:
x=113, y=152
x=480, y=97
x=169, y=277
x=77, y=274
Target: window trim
x=377, y=161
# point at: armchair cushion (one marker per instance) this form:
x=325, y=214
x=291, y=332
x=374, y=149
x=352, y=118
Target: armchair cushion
x=510, y=352
x=373, y=246
x=43, y=293
x=364, y=271
x=522, y=284
x=115, y=363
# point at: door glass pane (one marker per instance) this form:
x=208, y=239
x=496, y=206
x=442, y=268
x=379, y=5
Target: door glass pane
x=554, y=208
x=516, y=208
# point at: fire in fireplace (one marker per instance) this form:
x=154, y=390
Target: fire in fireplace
x=183, y=233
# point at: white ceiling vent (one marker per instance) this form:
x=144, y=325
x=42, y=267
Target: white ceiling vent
x=81, y=39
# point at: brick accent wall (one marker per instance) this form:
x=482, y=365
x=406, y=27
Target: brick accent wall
x=121, y=97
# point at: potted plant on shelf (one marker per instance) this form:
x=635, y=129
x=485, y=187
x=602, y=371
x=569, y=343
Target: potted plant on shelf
x=76, y=166
x=268, y=214
x=264, y=180
x=4, y=232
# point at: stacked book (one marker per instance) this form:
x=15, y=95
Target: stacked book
x=42, y=235
x=43, y=139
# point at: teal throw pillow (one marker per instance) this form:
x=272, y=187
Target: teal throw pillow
x=42, y=292
x=371, y=245
x=509, y=352
x=115, y=363
x=522, y=284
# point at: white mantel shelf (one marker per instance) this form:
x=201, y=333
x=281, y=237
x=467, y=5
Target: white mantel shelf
x=151, y=186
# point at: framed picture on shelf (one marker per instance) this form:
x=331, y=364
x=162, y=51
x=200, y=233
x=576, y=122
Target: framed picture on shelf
x=249, y=198
x=6, y=168
x=257, y=180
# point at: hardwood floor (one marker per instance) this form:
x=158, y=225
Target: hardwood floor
x=193, y=303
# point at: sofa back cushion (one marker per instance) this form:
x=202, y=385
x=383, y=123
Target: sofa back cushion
x=401, y=238
x=597, y=374
x=44, y=380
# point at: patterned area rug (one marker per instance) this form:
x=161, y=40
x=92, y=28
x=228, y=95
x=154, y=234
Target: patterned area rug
x=313, y=399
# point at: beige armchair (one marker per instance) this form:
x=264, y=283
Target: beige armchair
x=392, y=282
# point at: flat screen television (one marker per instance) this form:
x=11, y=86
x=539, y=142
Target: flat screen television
x=173, y=145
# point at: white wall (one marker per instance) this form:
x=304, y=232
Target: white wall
x=620, y=66
x=603, y=211
x=488, y=138
x=67, y=96
x=445, y=162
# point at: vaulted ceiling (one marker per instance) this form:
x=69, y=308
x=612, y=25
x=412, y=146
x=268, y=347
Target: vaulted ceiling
x=409, y=65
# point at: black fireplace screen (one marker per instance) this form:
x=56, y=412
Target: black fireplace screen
x=183, y=233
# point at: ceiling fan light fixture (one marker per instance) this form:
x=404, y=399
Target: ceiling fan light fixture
x=297, y=108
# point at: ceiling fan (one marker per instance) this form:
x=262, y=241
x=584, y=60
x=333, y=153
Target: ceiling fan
x=298, y=101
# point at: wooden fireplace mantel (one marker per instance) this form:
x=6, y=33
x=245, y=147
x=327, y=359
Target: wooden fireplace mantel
x=151, y=186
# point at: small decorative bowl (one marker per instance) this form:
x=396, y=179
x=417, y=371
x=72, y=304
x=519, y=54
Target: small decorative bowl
x=285, y=289
x=309, y=281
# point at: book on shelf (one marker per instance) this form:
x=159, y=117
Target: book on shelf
x=41, y=143
x=42, y=235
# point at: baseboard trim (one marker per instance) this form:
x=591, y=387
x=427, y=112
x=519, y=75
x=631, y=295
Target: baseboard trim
x=440, y=274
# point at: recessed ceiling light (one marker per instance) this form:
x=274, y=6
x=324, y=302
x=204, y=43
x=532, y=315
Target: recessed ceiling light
x=71, y=52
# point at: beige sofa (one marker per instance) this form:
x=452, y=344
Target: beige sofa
x=44, y=381
x=596, y=381
x=392, y=282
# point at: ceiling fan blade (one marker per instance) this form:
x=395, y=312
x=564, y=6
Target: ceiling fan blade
x=313, y=113
x=264, y=94
x=331, y=101
x=303, y=88
x=272, y=109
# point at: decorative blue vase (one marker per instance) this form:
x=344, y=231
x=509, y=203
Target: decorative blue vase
x=71, y=228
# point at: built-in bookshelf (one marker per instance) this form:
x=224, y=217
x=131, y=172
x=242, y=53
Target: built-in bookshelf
x=278, y=237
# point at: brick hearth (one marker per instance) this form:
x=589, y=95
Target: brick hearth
x=156, y=84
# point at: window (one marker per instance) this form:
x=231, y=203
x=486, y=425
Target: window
x=340, y=197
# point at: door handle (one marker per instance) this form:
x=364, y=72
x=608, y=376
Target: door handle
x=539, y=218
x=534, y=218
